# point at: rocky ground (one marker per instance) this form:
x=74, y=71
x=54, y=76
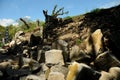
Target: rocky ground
x=84, y=47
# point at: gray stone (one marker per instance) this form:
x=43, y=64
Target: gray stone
x=56, y=76
x=62, y=42
x=54, y=57
x=76, y=54
x=33, y=64
x=61, y=45
x=59, y=68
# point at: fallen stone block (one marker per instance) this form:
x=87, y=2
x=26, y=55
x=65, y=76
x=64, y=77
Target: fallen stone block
x=54, y=57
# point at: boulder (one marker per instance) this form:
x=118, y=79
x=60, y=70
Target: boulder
x=115, y=72
x=97, y=39
x=81, y=71
x=112, y=74
x=106, y=76
x=54, y=57
x=106, y=60
x=76, y=54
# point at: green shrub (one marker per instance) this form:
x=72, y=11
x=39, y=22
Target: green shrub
x=97, y=10
x=67, y=17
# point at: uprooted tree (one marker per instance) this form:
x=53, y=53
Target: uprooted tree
x=51, y=21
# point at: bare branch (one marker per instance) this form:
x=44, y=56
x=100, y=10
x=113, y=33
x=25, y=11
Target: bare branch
x=45, y=13
x=25, y=23
x=53, y=12
x=58, y=12
x=61, y=9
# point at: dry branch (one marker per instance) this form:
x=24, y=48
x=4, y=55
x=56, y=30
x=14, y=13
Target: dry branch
x=25, y=23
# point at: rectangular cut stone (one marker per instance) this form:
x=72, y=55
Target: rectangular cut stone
x=54, y=57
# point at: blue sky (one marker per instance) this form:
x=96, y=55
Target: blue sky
x=12, y=10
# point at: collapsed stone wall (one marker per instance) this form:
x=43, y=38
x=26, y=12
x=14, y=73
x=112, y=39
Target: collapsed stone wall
x=75, y=50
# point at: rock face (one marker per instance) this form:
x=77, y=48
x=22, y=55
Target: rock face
x=85, y=47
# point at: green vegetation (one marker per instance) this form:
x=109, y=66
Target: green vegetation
x=13, y=29
x=95, y=11
x=68, y=17
x=0, y=44
x=78, y=41
x=2, y=31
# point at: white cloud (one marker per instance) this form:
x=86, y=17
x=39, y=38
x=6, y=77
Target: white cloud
x=111, y=4
x=7, y=22
x=27, y=17
x=15, y=24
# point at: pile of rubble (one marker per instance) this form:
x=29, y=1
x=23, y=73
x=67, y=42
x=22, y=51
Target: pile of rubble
x=28, y=57
x=68, y=50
